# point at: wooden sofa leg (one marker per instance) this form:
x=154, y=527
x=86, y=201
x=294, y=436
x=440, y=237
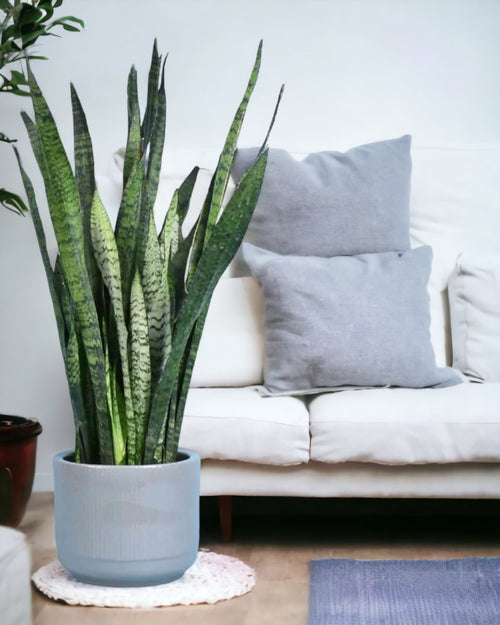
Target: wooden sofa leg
x=225, y=516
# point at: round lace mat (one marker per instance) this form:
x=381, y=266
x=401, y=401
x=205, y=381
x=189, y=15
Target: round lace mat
x=213, y=577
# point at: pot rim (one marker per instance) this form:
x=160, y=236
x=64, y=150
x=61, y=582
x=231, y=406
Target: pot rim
x=189, y=455
x=17, y=428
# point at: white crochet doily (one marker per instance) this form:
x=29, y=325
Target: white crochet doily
x=213, y=577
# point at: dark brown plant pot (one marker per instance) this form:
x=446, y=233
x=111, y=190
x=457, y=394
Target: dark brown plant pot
x=18, y=438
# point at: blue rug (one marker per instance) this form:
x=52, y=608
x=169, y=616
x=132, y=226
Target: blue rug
x=405, y=592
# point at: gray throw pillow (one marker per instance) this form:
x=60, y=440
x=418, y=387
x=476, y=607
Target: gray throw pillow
x=355, y=321
x=331, y=203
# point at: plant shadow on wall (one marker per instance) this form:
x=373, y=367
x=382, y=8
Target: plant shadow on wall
x=130, y=305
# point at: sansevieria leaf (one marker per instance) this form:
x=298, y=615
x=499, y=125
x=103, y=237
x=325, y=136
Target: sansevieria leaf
x=108, y=262
x=140, y=359
x=131, y=303
x=64, y=207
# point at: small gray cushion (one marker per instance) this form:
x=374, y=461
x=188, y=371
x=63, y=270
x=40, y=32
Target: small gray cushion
x=332, y=203
x=359, y=321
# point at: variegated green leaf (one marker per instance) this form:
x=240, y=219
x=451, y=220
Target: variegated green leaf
x=153, y=129
x=117, y=411
x=42, y=244
x=108, y=262
x=86, y=444
x=215, y=197
x=133, y=151
x=218, y=251
x=157, y=305
x=171, y=229
x=130, y=385
x=151, y=105
x=85, y=182
x=126, y=229
x=65, y=213
x=140, y=364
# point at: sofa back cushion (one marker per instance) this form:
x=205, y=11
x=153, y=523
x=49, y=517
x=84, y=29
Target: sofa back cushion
x=454, y=207
x=231, y=351
x=474, y=292
x=332, y=203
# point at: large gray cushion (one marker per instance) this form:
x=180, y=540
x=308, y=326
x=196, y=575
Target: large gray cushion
x=346, y=321
x=332, y=203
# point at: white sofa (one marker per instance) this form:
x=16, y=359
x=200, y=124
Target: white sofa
x=383, y=442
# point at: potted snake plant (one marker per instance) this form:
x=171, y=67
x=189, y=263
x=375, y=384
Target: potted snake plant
x=22, y=26
x=130, y=304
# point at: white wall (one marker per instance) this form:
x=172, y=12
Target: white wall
x=355, y=71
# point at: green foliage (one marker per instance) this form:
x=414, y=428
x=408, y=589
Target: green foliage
x=21, y=25
x=130, y=303
x=12, y=202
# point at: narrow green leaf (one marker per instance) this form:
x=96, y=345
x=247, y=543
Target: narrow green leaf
x=85, y=448
x=154, y=140
x=117, y=411
x=140, y=366
x=108, y=262
x=5, y=139
x=156, y=300
x=150, y=112
x=63, y=21
x=219, y=250
x=12, y=202
x=222, y=173
x=185, y=374
x=127, y=226
x=174, y=218
x=85, y=182
x=42, y=244
x=71, y=353
x=133, y=151
x=64, y=207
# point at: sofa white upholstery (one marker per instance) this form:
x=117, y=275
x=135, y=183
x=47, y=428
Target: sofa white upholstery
x=383, y=442
x=239, y=424
x=15, y=585
x=404, y=426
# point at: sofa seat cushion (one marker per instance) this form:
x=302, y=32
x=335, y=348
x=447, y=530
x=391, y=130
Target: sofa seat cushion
x=408, y=426
x=239, y=424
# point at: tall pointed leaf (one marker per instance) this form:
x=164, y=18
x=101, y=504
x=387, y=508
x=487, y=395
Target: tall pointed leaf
x=106, y=255
x=215, y=198
x=126, y=229
x=140, y=365
x=219, y=250
x=133, y=151
x=65, y=213
x=85, y=181
x=151, y=104
x=156, y=301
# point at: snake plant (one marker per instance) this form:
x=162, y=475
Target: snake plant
x=130, y=302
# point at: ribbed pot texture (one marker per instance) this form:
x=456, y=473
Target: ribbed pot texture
x=133, y=525
x=18, y=437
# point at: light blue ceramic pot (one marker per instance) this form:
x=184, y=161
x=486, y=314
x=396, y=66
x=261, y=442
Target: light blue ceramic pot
x=127, y=525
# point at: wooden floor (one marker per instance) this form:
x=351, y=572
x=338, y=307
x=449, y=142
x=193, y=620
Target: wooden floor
x=278, y=538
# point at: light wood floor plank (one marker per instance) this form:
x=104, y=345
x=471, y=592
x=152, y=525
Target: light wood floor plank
x=279, y=547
